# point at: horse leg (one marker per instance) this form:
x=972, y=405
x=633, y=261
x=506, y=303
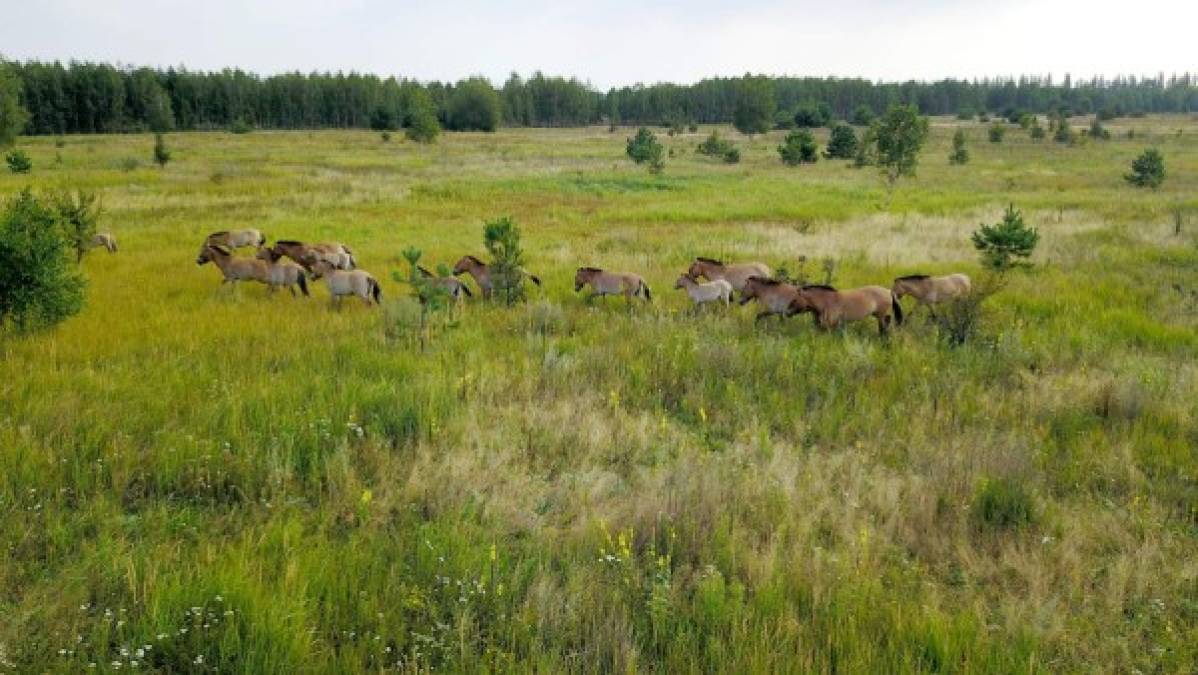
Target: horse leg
x=764, y=314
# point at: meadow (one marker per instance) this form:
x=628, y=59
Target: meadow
x=198, y=479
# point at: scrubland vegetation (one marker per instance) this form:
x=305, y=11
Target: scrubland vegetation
x=193, y=479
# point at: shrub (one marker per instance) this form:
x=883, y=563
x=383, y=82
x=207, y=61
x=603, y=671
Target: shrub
x=842, y=144
x=901, y=133
x=1147, y=170
x=1013, y=115
x=959, y=155
x=867, y=148
x=714, y=146
x=813, y=114
x=502, y=240
x=732, y=156
x=863, y=116
x=18, y=161
x=474, y=106
x=997, y=131
x=421, y=124
x=960, y=320
x=754, y=113
x=644, y=148
x=1036, y=132
x=161, y=154
x=77, y=213
x=1006, y=244
x=784, y=120
x=693, y=128
x=1026, y=120
x=386, y=136
x=1003, y=504
x=38, y=285
x=1063, y=133
x=13, y=116
x=1107, y=114
x=384, y=119
x=966, y=114
x=240, y=126
x=798, y=148
x=1099, y=132
x=129, y=164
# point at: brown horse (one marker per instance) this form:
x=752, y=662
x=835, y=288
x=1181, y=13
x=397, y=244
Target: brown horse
x=233, y=268
x=932, y=290
x=453, y=287
x=774, y=296
x=234, y=239
x=736, y=275
x=832, y=307
x=337, y=254
x=282, y=273
x=611, y=283
x=342, y=283
x=482, y=273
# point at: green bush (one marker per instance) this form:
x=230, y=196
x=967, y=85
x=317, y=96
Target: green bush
x=1003, y=504
x=813, y=114
x=1099, y=132
x=1063, y=133
x=732, y=156
x=78, y=212
x=842, y=144
x=474, y=106
x=1147, y=170
x=997, y=131
x=644, y=148
x=863, y=116
x=1006, y=244
x=39, y=287
x=384, y=119
x=714, y=146
x=1036, y=131
x=161, y=154
x=754, y=113
x=900, y=134
x=421, y=124
x=18, y=161
x=502, y=240
x=240, y=126
x=960, y=154
x=798, y=148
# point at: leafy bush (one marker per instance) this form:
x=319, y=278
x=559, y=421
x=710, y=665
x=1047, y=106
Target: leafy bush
x=813, y=114
x=384, y=118
x=714, y=146
x=863, y=116
x=1063, y=133
x=39, y=287
x=161, y=154
x=732, y=156
x=240, y=126
x=798, y=148
x=386, y=136
x=842, y=144
x=867, y=148
x=421, y=124
x=644, y=148
x=13, y=116
x=502, y=240
x=1006, y=244
x=1026, y=121
x=1099, y=132
x=474, y=106
x=18, y=161
x=966, y=114
x=754, y=113
x=1147, y=170
x=784, y=120
x=77, y=213
x=959, y=155
x=1003, y=504
x=1036, y=131
x=1107, y=114
x=901, y=133
x=997, y=131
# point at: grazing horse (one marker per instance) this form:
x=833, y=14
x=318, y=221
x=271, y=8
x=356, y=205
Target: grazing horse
x=347, y=282
x=233, y=269
x=234, y=239
x=106, y=240
x=736, y=274
x=774, y=296
x=611, y=283
x=452, y=286
x=831, y=307
x=932, y=290
x=701, y=292
x=282, y=273
x=336, y=253
x=482, y=273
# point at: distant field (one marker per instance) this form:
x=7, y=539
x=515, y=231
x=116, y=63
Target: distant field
x=197, y=479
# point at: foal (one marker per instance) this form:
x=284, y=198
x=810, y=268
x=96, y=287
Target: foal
x=704, y=292
x=831, y=307
x=281, y=273
x=234, y=239
x=106, y=240
x=931, y=291
x=336, y=253
x=482, y=273
x=775, y=296
x=611, y=283
x=736, y=274
x=233, y=269
x=351, y=282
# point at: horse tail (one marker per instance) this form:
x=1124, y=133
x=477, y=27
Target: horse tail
x=535, y=279
x=898, y=309
x=302, y=280
x=466, y=290
x=645, y=288
x=261, y=239
x=376, y=291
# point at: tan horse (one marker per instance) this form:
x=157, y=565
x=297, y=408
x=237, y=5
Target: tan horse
x=232, y=268
x=347, y=282
x=932, y=290
x=611, y=283
x=281, y=273
x=336, y=253
x=106, y=240
x=453, y=287
x=703, y=292
x=482, y=273
x=736, y=274
x=832, y=307
x=234, y=239
x=773, y=296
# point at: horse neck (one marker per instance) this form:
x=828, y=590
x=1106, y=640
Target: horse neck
x=219, y=259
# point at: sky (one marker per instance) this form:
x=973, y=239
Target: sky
x=619, y=42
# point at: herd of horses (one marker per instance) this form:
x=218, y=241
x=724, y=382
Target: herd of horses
x=290, y=264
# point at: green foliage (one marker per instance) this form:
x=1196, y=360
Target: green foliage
x=731, y=156
x=960, y=154
x=997, y=131
x=18, y=161
x=39, y=287
x=385, y=136
x=867, y=148
x=1036, y=132
x=240, y=126
x=474, y=106
x=798, y=148
x=813, y=114
x=13, y=116
x=714, y=146
x=1006, y=244
x=863, y=116
x=842, y=143
x=421, y=124
x=644, y=148
x=1003, y=504
x=966, y=114
x=754, y=112
x=384, y=118
x=1027, y=120
x=1099, y=132
x=1147, y=170
x=77, y=212
x=502, y=240
x=901, y=133
x=1063, y=133
x=162, y=155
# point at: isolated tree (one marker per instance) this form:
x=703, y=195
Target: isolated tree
x=13, y=116
x=1099, y=132
x=959, y=155
x=421, y=124
x=813, y=114
x=502, y=240
x=901, y=133
x=863, y=116
x=645, y=149
x=997, y=131
x=162, y=154
x=754, y=112
x=842, y=143
x=1063, y=133
x=18, y=161
x=160, y=116
x=714, y=146
x=1036, y=132
x=39, y=287
x=1147, y=170
x=77, y=213
x=798, y=148
x=1006, y=244
x=474, y=106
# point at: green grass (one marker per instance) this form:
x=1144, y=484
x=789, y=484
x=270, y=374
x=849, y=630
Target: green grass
x=248, y=483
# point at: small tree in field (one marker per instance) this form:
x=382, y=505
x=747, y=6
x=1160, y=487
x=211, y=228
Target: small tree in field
x=161, y=154
x=863, y=116
x=1147, y=170
x=867, y=148
x=842, y=144
x=997, y=131
x=39, y=287
x=421, y=123
x=502, y=239
x=900, y=133
x=754, y=113
x=1006, y=244
x=644, y=148
x=78, y=212
x=1036, y=132
x=1064, y=133
x=714, y=146
x=960, y=154
x=798, y=148
x=18, y=161
x=1099, y=132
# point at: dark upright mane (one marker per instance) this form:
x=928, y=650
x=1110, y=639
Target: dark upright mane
x=818, y=287
x=913, y=277
x=765, y=281
x=476, y=261
x=589, y=269
x=713, y=261
x=220, y=249
x=289, y=242
x=217, y=234
x=420, y=268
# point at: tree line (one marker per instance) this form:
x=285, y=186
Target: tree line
x=84, y=97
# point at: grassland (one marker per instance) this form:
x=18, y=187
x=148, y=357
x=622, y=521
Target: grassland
x=196, y=479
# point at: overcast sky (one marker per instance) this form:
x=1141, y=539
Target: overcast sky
x=616, y=43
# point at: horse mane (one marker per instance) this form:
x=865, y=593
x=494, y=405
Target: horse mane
x=818, y=287
x=217, y=234
x=589, y=269
x=420, y=268
x=912, y=277
x=475, y=260
x=220, y=249
x=289, y=242
x=765, y=281
x=713, y=261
